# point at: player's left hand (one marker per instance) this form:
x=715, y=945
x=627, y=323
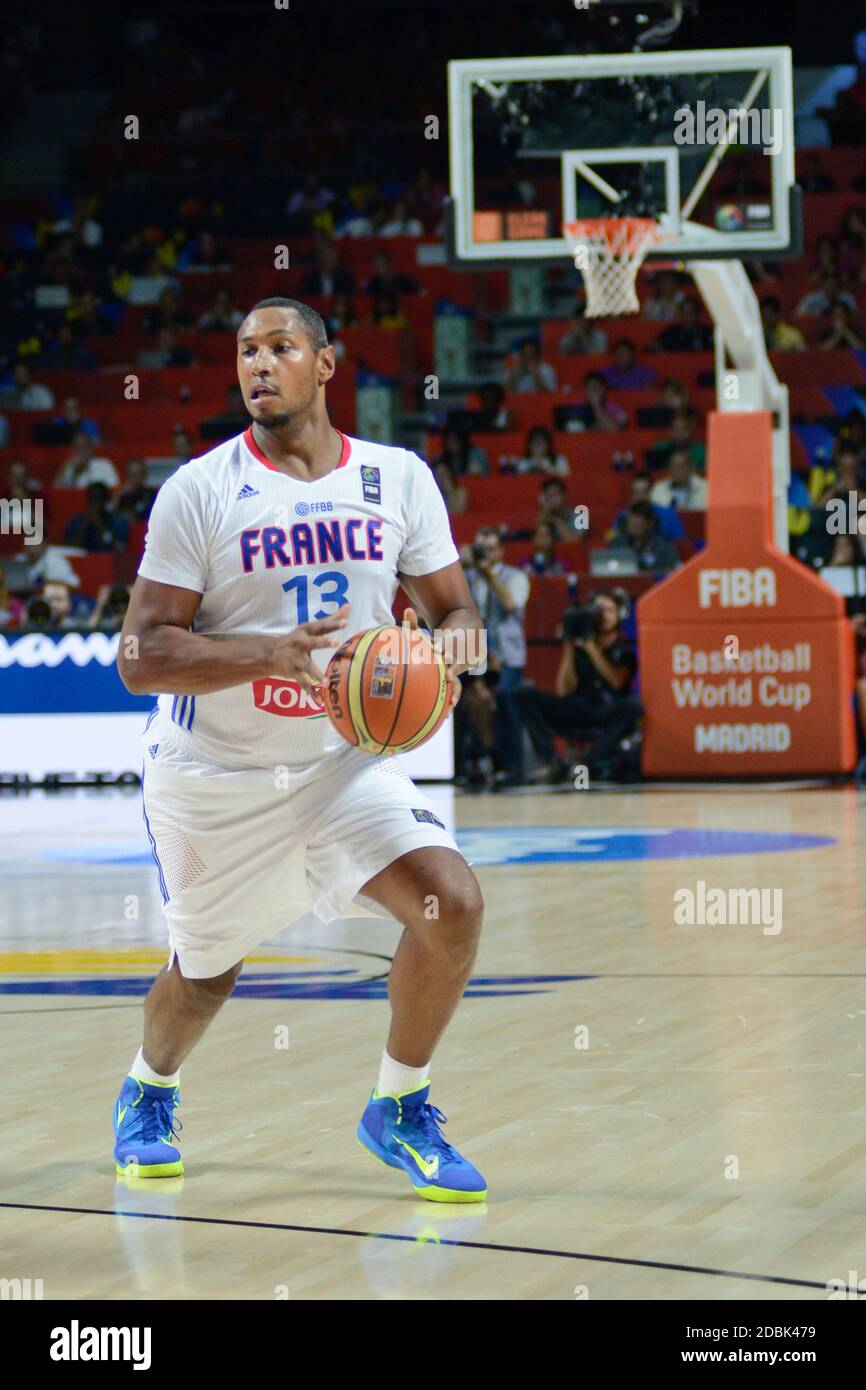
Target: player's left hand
x=410, y=618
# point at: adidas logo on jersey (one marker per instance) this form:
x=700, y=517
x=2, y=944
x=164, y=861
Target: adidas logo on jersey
x=246, y=491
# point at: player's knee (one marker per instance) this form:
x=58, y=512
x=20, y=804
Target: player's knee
x=460, y=913
x=221, y=986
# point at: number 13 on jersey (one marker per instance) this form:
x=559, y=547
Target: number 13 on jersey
x=332, y=589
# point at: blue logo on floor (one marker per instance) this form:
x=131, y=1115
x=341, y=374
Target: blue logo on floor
x=289, y=984
x=557, y=844
x=543, y=844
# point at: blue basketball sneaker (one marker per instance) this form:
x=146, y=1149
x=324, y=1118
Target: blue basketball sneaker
x=145, y=1142
x=403, y=1131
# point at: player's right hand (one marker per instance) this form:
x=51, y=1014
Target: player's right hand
x=292, y=657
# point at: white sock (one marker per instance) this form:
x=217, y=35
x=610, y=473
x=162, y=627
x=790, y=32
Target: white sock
x=395, y=1079
x=143, y=1072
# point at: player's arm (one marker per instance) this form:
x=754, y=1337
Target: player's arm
x=566, y=675
x=444, y=601
x=159, y=653
x=617, y=677
x=502, y=592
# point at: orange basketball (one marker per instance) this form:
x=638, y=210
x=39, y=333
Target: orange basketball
x=387, y=690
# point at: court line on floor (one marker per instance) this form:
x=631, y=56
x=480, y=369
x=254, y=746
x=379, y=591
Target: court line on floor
x=69, y=1009
x=413, y=1240
x=136, y=1003
x=617, y=975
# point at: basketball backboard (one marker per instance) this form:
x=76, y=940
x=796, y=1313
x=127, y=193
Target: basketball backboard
x=702, y=140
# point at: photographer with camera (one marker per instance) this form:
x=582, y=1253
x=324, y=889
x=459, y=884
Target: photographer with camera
x=487, y=730
x=592, y=699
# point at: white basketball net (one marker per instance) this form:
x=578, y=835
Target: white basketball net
x=609, y=253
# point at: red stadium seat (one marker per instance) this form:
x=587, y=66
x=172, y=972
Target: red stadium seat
x=127, y=562
x=66, y=503
x=21, y=422
x=694, y=524
x=573, y=554
x=549, y=595
x=542, y=663
x=588, y=451
x=386, y=351
x=809, y=400
x=841, y=367
x=93, y=571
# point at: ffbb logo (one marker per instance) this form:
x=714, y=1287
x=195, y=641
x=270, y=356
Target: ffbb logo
x=285, y=698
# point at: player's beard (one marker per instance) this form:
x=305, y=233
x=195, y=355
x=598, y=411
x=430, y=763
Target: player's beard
x=275, y=423
x=288, y=419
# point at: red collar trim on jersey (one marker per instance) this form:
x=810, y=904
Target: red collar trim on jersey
x=346, y=449
x=254, y=449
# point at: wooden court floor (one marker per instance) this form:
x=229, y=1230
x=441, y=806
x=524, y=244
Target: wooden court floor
x=662, y=1110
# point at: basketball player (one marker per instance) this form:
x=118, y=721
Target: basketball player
x=261, y=557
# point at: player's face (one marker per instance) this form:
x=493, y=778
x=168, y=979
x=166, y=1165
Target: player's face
x=608, y=614
x=492, y=546
x=279, y=373
x=681, y=467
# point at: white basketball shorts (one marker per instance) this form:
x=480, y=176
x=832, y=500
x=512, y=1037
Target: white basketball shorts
x=243, y=854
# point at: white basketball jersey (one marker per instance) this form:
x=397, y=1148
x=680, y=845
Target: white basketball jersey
x=268, y=552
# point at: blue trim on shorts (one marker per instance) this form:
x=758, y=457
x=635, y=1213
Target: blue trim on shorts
x=183, y=713
x=162, y=887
